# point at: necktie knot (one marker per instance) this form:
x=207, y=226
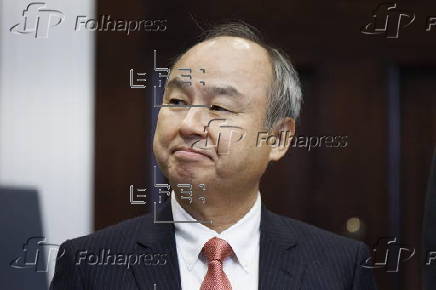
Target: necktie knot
x=217, y=249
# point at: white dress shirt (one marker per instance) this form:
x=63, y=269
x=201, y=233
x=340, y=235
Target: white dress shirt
x=242, y=269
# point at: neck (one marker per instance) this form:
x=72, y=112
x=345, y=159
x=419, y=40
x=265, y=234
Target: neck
x=224, y=210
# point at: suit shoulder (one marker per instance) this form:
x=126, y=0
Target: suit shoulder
x=326, y=254
x=315, y=236
x=122, y=234
x=324, y=250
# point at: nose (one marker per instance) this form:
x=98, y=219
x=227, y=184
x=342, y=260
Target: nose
x=192, y=126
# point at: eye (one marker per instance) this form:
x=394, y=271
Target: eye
x=177, y=102
x=218, y=108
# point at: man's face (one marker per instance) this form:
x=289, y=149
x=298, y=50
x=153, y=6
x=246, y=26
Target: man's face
x=215, y=143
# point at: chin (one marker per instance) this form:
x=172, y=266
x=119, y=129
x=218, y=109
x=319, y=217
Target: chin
x=190, y=174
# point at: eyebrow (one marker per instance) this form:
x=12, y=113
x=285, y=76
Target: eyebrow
x=227, y=90
x=177, y=83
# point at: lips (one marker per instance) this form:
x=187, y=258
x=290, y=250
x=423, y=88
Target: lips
x=188, y=153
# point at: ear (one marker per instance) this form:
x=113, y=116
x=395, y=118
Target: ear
x=284, y=131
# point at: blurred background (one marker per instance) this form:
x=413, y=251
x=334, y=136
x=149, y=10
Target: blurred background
x=75, y=135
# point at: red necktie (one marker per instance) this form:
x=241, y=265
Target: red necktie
x=216, y=250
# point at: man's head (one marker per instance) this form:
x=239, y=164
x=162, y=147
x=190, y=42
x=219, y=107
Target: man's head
x=238, y=87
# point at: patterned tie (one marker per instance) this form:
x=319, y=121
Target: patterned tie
x=216, y=250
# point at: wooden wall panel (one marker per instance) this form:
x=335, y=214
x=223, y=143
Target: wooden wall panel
x=418, y=140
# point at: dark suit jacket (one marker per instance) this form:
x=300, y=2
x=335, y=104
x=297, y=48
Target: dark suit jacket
x=293, y=255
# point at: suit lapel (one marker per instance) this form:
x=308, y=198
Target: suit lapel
x=280, y=267
x=158, y=238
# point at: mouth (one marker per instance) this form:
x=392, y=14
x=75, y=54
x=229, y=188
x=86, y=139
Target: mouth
x=191, y=154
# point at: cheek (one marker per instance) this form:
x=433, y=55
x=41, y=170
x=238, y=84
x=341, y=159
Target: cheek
x=229, y=140
x=162, y=136
x=165, y=128
x=255, y=157
x=238, y=140
x=161, y=144
x=240, y=144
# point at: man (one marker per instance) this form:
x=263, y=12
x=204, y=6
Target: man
x=207, y=139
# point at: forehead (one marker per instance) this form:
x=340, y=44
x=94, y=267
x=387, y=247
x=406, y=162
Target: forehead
x=228, y=61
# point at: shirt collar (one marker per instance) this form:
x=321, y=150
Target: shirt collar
x=243, y=236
